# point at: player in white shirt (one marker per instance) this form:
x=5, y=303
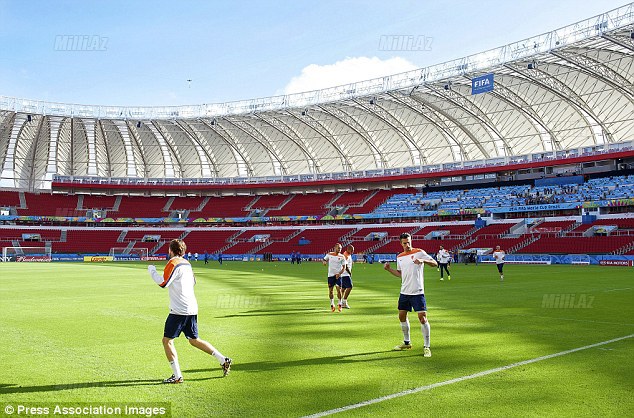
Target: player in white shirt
x=346, y=276
x=409, y=268
x=444, y=257
x=196, y=256
x=179, y=279
x=336, y=266
x=498, y=255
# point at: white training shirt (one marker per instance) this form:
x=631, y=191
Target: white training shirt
x=443, y=256
x=412, y=273
x=335, y=263
x=499, y=256
x=179, y=279
x=348, y=263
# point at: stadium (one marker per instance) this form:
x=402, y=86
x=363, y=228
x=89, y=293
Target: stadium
x=529, y=146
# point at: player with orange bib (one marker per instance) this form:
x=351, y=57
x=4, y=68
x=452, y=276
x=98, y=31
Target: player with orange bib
x=178, y=278
x=409, y=268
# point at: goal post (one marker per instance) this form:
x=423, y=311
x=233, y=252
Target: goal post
x=27, y=254
x=128, y=254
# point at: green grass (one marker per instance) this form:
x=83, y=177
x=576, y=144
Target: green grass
x=91, y=333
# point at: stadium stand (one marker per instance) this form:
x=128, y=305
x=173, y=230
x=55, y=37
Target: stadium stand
x=356, y=198
x=87, y=241
x=381, y=202
x=49, y=205
x=186, y=203
x=304, y=204
x=212, y=241
x=577, y=245
x=136, y=207
x=97, y=202
x=268, y=202
x=245, y=243
x=226, y=207
x=317, y=241
x=9, y=199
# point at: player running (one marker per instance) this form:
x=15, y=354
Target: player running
x=179, y=278
x=444, y=257
x=336, y=266
x=409, y=267
x=346, y=276
x=499, y=255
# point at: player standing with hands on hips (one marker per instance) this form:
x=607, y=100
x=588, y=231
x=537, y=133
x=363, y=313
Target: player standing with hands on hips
x=178, y=277
x=409, y=267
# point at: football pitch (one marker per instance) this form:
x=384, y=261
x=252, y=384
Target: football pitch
x=91, y=333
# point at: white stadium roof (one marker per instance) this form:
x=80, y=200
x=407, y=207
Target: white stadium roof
x=568, y=88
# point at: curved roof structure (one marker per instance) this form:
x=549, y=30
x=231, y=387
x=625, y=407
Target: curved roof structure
x=565, y=89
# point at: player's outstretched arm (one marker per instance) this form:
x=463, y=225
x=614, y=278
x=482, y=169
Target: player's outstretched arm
x=396, y=273
x=158, y=279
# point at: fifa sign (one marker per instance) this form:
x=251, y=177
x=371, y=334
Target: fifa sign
x=482, y=84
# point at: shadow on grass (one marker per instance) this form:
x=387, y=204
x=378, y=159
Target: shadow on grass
x=272, y=312
x=12, y=388
x=262, y=366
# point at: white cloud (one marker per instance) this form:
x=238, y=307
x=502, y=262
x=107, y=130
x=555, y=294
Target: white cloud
x=348, y=70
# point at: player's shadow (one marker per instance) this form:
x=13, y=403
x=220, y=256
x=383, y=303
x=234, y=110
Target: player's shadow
x=272, y=312
x=13, y=388
x=261, y=366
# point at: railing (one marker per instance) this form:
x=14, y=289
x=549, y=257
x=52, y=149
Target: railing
x=472, y=64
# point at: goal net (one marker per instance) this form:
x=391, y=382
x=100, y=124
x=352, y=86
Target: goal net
x=26, y=254
x=128, y=254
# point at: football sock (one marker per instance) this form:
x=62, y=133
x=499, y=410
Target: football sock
x=176, y=368
x=425, y=328
x=332, y=302
x=405, y=328
x=217, y=355
x=345, y=301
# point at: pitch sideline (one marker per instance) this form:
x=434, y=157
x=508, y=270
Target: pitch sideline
x=461, y=379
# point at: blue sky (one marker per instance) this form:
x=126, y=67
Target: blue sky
x=231, y=50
